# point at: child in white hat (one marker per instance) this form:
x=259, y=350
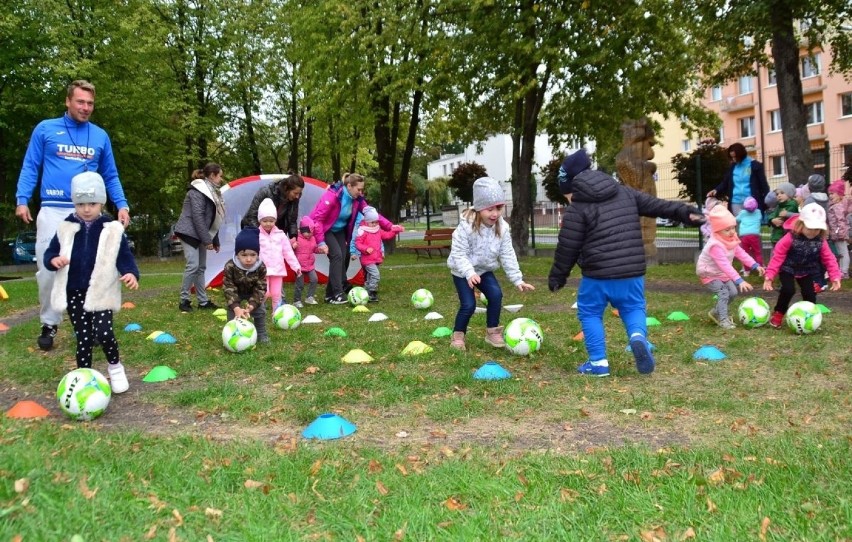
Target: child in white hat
x=481, y=244
x=275, y=251
x=92, y=258
x=798, y=255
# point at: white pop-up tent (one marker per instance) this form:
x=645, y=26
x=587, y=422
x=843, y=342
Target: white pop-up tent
x=237, y=196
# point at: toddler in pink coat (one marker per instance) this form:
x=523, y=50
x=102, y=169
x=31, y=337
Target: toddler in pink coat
x=305, y=247
x=368, y=241
x=714, y=266
x=275, y=250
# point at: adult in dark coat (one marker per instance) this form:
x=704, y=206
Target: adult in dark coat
x=746, y=177
x=285, y=194
x=602, y=234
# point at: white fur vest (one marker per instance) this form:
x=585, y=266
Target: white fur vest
x=104, y=291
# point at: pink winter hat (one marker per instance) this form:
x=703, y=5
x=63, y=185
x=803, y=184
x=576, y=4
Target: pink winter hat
x=266, y=210
x=720, y=218
x=750, y=204
x=837, y=188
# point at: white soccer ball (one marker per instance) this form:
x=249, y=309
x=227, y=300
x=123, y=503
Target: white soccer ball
x=422, y=299
x=754, y=312
x=83, y=394
x=523, y=336
x=287, y=317
x=239, y=335
x=358, y=296
x=804, y=317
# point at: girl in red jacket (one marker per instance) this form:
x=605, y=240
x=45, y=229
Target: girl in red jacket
x=368, y=241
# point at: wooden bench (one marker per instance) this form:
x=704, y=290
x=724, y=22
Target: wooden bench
x=435, y=239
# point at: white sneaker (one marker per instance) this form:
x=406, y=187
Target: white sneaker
x=311, y=301
x=298, y=304
x=117, y=378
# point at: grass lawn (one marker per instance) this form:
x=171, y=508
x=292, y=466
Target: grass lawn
x=754, y=447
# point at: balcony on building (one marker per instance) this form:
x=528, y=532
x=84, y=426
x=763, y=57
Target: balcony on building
x=731, y=104
x=816, y=132
x=811, y=85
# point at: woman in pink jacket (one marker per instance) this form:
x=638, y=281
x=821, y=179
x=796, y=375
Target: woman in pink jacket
x=714, y=266
x=334, y=218
x=275, y=250
x=368, y=241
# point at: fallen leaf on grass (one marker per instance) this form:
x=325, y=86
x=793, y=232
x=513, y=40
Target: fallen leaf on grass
x=646, y=416
x=764, y=528
x=716, y=477
x=312, y=370
x=687, y=534
x=380, y=487
x=585, y=412
x=454, y=504
x=315, y=468
x=568, y=495
x=152, y=532
x=628, y=411
x=711, y=506
x=402, y=434
x=658, y=534
x=22, y=485
x=178, y=517
x=84, y=488
x=252, y=484
x=374, y=467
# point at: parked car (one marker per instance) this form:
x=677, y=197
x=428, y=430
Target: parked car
x=170, y=244
x=23, y=247
x=667, y=223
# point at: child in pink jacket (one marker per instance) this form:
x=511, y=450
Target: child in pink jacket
x=368, y=241
x=305, y=247
x=275, y=250
x=714, y=266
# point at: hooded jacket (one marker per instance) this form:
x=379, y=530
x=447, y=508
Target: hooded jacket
x=306, y=248
x=99, y=255
x=199, y=220
x=601, y=231
x=288, y=211
x=275, y=250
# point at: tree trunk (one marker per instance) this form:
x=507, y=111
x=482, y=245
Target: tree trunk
x=293, y=127
x=407, y=153
x=785, y=53
x=250, y=137
x=309, y=145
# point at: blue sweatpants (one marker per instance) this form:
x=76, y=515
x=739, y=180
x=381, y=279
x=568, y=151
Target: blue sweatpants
x=625, y=295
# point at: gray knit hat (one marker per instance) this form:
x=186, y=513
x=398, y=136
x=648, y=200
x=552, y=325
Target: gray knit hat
x=370, y=214
x=487, y=193
x=88, y=187
x=816, y=183
x=788, y=189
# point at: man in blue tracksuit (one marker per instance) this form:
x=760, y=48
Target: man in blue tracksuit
x=59, y=149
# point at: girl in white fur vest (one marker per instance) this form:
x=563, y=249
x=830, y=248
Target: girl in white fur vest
x=91, y=258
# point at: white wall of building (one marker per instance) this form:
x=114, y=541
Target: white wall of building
x=496, y=157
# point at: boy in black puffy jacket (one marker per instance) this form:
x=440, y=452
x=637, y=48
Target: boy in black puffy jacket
x=601, y=233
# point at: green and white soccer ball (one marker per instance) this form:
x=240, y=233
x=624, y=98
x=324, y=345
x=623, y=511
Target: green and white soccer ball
x=523, y=336
x=239, y=335
x=422, y=299
x=754, y=312
x=287, y=317
x=358, y=296
x=804, y=317
x=83, y=394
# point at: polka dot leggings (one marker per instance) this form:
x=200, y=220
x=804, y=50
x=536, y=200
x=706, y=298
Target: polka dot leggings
x=89, y=326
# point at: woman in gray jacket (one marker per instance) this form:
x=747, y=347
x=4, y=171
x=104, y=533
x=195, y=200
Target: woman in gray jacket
x=198, y=228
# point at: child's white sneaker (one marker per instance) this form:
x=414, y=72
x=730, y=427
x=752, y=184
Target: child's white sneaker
x=298, y=304
x=117, y=378
x=311, y=301
x=727, y=323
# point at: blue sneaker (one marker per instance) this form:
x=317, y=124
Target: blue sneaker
x=642, y=354
x=593, y=370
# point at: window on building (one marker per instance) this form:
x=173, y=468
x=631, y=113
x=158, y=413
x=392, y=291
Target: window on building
x=779, y=166
x=775, y=120
x=745, y=84
x=721, y=134
x=813, y=112
x=846, y=104
x=716, y=93
x=444, y=167
x=771, y=77
x=747, y=127
x=810, y=65
x=685, y=145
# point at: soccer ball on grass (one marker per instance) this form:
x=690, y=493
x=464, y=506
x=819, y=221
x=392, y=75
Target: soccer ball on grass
x=83, y=394
x=287, y=317
x=523, y=336
x=239, y=335
x=804, y=317
x=754, y=312
x=358, y=296
x=422, y=299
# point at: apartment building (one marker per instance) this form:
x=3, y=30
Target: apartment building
x=749, y=109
